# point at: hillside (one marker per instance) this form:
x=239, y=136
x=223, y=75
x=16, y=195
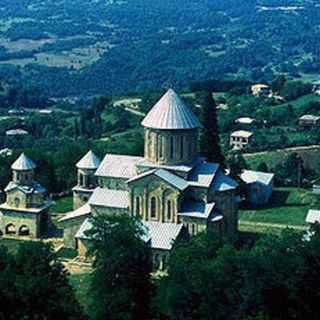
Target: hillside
x=80, y=47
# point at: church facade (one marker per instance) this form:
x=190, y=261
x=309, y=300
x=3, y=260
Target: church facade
x=172, y=189
x=25, y=211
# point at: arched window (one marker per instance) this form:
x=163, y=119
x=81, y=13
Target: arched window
x=10, y=229
x=24, y=231
x=181, y=147
x=171, y=147
x=138, y=213
x=153, y=207
x=16, y=202
x=160, y=146
x=81, y=179
x=169, y=210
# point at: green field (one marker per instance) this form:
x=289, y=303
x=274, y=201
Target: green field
x=288, y=206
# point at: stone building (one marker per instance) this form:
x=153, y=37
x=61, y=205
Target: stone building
x=172, y=189
x=240, y=139
x=25, y=211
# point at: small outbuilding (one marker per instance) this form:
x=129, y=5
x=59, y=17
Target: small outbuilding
x=245, y=121
x=259, y=186
x=16, y=132
x=240, y=139
x=261, y=90
x=309, y=120
x=313, y=216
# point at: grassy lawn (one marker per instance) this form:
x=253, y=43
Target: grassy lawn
x=81, y=284
x=288, y=206
x=63, y=205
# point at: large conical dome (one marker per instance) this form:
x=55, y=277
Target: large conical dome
x=171, y=113
x=23, y=163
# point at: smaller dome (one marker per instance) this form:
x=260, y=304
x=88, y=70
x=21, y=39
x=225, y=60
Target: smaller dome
x=89, y=161
x=23, y=163
x=171, y=113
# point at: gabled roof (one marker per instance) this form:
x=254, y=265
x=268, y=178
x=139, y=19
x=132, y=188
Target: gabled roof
x=162, y=235
x=86, y=226
x=203, y=174
x=196, y=209
x=80, y=212
x=110, y=198
x=171, y=113
x=174, y=180
x=241, y=134
x=89, y=161
x=313, y=216
x=23, y=163
x=118, y=166
x=249, y=176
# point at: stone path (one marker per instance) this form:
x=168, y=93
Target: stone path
x=280, y=150
x=271, y=225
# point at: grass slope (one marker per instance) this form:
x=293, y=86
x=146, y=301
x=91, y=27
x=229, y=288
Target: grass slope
x=288, y=206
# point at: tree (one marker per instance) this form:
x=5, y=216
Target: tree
x=210, y=141
x=236, y=164
x=263, y=167
x=121, y=286
x=278, y=83
x=34, y=285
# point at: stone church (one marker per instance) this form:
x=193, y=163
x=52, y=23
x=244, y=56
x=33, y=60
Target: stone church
x=172, y=189
x=25, y=211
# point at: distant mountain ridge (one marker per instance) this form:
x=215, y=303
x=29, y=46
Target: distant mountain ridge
x=79, y=47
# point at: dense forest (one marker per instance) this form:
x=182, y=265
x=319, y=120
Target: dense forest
x=79, y=47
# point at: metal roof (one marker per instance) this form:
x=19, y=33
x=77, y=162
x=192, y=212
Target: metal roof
x=313, y=216
x=249, y=176
x=245, y=120
x=171, y=113
x=80, y=212
x=89, y=161
x=203, y=174
x=242, y=134
x=162, y=234
x=86, y=226
x=34, y=188
x=172, y=179
x=110, y=198
x=118, y=166
x=309, y=117
x=23, y=163
x=196, y=209
x=223, y=182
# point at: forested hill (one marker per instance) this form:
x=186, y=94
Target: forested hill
x=85, y=47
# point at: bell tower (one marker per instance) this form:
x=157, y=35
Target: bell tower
x=171, y=132
x=86, y=181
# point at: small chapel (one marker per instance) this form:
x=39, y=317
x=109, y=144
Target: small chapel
x=25, y=213
x=172, y=188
